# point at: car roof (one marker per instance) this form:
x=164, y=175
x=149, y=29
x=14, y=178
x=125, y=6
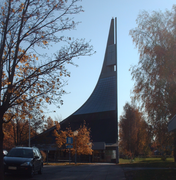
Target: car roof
x=24, y=148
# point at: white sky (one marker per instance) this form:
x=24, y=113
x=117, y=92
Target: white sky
x=95, y=27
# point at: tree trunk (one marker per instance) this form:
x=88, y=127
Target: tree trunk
x=1, y=150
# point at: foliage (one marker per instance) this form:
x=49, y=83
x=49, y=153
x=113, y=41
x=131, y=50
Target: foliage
x=49, y=123
x=28, y=77
x=155, y=82
x=81, y=142
x=133, y=132
x=16, y=132
x=8, y=138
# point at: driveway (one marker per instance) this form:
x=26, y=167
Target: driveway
x=101, y=171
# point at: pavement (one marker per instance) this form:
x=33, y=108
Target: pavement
x=92, y=171
x=95, y=171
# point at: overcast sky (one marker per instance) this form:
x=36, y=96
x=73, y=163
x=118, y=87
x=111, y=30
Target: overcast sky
x=94, y=26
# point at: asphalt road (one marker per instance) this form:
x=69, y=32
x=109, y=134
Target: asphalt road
x=81, y=172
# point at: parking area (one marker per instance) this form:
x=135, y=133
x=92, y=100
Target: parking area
x=103, y=171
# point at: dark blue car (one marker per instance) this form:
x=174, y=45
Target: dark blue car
x=23, y=160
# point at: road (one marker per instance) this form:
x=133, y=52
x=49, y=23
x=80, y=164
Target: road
x=80, y=172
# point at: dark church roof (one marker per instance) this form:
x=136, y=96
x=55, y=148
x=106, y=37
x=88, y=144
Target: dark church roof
x=102, y=99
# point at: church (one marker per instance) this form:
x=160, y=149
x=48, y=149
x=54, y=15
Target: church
x=99, y=111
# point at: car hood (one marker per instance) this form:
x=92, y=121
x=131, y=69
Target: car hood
x=16, y=160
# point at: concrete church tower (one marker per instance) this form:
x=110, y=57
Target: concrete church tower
x=100, y=110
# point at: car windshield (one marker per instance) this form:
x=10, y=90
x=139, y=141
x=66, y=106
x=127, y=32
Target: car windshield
x=24, y=153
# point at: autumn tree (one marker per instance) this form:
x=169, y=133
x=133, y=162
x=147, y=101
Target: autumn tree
x=8, y=136
x=49, y=123
x=82, y=141
x=27, y=75
x=16, y=132
x=155, y=82
x=133, y=132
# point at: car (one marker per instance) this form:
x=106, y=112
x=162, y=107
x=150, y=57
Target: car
x=23, y=160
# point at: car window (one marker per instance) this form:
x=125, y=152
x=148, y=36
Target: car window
x=24, y=153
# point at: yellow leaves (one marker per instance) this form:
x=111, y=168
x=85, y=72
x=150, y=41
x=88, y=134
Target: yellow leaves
x=13, y=10
x=41, y=85
x=24, y=104
x=47, y=99
x=10, y=90
x=82, y=139
x=37, y=58
x=30, y=116
x=24, y=97
x=6, y=117
x=60, y=74
x=45, y=42
x=23, y=117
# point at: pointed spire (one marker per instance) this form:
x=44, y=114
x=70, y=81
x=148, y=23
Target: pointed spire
x=104, y=95
x=110, y=59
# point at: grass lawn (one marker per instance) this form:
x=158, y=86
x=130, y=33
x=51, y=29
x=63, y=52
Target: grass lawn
x=65, y=164
x=162, y=174
x=149, y=174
